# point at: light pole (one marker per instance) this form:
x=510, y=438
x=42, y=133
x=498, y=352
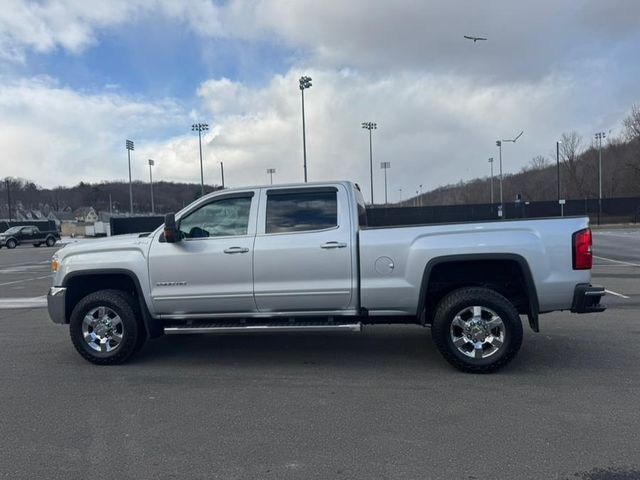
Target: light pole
x=200, y=127
x=491, y=167
x=600, y=136
x=305, y=82
x=222, y=173
x=129, y=145
x=400, y=191
x=270, y=172
x=420, y=195
x=558, y=142
x=385, y=166
x=6, y=182
x=499, y=144
x=370, y=126
x=151, y=164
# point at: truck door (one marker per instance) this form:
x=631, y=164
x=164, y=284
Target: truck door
x=303, y=250
x=210, y=270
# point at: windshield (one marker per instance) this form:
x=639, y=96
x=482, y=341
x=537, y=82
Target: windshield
x=12, y=231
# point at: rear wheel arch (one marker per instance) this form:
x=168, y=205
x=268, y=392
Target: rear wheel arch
x=500, y=263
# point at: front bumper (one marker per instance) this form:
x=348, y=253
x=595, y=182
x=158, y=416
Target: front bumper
x=56, y=304
x=586, y=298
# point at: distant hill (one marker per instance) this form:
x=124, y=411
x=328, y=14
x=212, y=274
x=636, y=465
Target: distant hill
x=538, y=180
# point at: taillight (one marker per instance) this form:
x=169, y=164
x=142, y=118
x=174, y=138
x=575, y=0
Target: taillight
x=582, y=257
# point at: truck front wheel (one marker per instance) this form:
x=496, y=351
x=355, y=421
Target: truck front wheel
x=104, y=328
x=477, y=330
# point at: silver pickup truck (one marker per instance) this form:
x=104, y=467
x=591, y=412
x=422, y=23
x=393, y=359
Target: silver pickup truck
x=302, y=258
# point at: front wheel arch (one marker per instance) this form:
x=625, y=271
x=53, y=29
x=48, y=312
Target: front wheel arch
x=81, y=283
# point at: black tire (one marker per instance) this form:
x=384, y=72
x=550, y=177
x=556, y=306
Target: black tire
x=123, y=305
x=455, y=303
x=50, y=242
x=11, y=243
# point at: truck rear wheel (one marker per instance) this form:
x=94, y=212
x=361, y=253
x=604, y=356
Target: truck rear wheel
x=477, y=330
x=104, y=328
x=50, y=242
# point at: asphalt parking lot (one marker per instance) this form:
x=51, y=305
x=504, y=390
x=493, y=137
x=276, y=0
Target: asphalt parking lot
x=379, y=405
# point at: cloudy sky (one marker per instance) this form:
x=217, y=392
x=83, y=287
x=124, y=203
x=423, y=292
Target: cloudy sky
x=78, y=77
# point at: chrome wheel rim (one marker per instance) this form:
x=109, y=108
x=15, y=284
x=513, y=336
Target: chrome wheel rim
x=477, y=332
x=102, y=329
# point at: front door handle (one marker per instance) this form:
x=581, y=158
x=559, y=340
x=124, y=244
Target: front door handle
x=231, y=250
x=333, y=245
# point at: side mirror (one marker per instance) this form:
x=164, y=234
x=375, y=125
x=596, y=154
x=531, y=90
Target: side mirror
x=171, y=233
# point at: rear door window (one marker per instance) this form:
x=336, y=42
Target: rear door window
x=301, y=211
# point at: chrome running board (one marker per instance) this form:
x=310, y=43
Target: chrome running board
x=351, y=327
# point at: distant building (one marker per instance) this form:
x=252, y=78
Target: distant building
x=85, y=214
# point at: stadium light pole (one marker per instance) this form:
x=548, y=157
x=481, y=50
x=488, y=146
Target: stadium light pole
x=600, y=136
x=200, y=127
x=499, y=144
x=558, y=142
x=491, y=174
x=151, y=164
x=400, y=191
x=270, y=172
x=305, y=82
x=385, y=166
x=370, y=126
x=129, y=146
x=6, y=182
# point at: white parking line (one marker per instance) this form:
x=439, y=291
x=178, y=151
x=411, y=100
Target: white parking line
x=34, y=302
x=616, y=294
x=618, y=261
x=24, y=280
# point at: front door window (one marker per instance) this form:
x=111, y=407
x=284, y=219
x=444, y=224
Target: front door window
x=225, y=218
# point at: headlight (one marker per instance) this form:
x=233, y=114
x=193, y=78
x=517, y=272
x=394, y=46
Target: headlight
x=55, y=263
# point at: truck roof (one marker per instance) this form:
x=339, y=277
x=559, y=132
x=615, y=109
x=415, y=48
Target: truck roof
x=346, y=183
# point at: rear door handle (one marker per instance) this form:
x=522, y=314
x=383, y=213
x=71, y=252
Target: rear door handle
x=333, y=245
x=231, y=250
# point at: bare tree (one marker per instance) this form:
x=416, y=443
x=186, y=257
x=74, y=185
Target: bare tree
x=538, y=162
x=632, y=124
x=570, y=151
x=632, y=134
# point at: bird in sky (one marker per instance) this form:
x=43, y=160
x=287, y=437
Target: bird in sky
x=475, y=39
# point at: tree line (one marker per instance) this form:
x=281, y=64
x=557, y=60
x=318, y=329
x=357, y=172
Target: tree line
x=167, y=196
